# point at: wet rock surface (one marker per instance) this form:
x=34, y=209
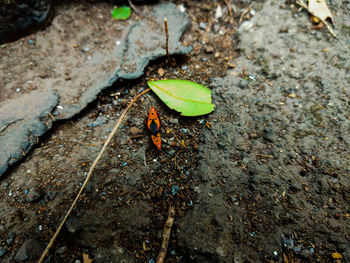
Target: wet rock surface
x=30, y=250
x=264, y=178
x=64, y=67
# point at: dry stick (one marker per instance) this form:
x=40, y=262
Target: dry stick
x=166, y=235
x=121, y=118
x=229, y=10
x=167, y=40
x=303, y=5
x=134, y=7
x=244, y=13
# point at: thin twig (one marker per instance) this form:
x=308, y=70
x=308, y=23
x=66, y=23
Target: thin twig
x=134, y=7
x=303, y=5
x=110, y=136
x=229, y=10
x=50, y=115
x=244, y=13
x=167, y=40
x=166, y=235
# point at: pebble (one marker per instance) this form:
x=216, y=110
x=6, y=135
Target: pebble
x=287, y=242
x=161, y=72
x=174, y=121
x=114, y=171
x=51, y=195
x=218, y=13
x=209, y=49
x=243, y=84
x=99, y=121
x=34, y=194
x=202, y=25
x=29, y=250
x=61, y=250
x=11, y=238
x=268, y=135
x=89, y=188
x=172, y=152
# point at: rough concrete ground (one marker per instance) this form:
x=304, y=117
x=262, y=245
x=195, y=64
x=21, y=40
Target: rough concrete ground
x=265, y=178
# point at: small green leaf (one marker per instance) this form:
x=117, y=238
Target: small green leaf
x=121, y=13
x=187, y=97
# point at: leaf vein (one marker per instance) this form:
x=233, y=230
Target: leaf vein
x=180, y=98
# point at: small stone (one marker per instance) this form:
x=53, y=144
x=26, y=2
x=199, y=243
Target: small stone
x=114, y=172
x=44, y=75
x=99, y=121
x=209, y=49
x=172, y=152
x=61, y=250
x=202, y=25
x=292, y=95
x=218, y=13
x=34, y=194
x=243, y=84
x=30, y=249
x=51, y=195
x=89, y=188
x=161, y=72
x=268, y=135
x=174, y=121
x=135, y=130
x=11, y=237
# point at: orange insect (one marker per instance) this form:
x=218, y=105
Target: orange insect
x=153, y=125
x=157, y=141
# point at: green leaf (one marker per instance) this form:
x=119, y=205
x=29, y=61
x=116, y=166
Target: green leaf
x=121, y=13
x=187, y=97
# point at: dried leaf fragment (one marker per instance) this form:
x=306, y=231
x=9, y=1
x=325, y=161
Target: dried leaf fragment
x=320, y=9
x=317, y=9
